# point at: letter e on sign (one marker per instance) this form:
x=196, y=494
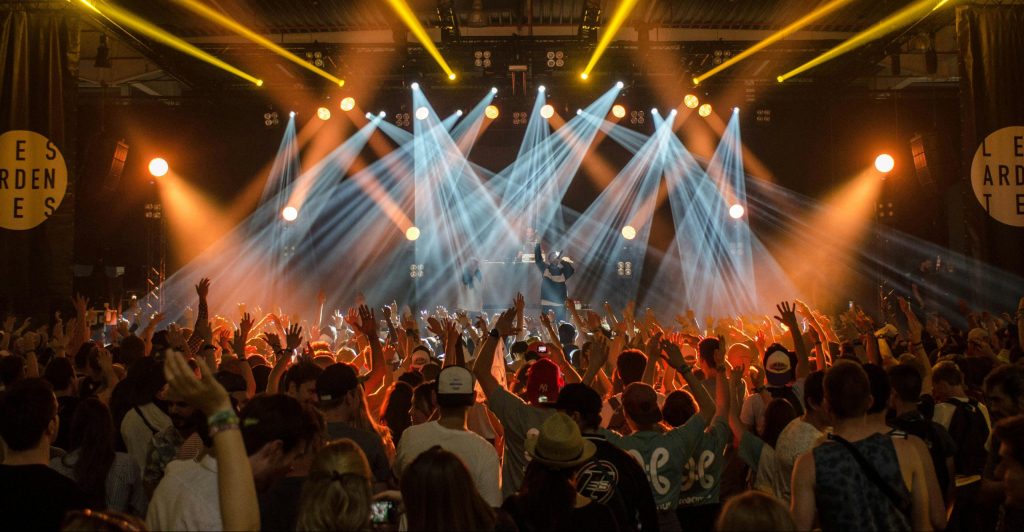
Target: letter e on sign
x=997, y=175
x=27, y=202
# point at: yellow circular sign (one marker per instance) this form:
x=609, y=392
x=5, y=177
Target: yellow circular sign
x=33, y=179
x=997, y=175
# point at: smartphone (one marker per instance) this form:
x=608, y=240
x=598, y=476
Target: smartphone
x=383, y=511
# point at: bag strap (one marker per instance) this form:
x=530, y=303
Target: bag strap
x=144, y=420
x=869, y=470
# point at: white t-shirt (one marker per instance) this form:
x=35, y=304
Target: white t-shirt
x=796, y=439
x=138, y=435
x=479, y=456
x=944, y=412
x=187, y=497
x=752, y=411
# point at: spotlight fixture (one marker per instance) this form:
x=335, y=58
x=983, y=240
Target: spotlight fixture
x=158, y=167
x=494, y=90
x=547, y=111
x=403, y=119
x=619, y=85
x=415, y=86
x=654, y=110
x=541, y=88
x=624, y=268
x=629, y=232
x=452, y=76
x=584, y=76
x=555, y=59
x=369, y=116
x=412, y=233
x=422, y=113
x=270, y=118
x=323, y=113
x=579, y=112
x=315, y=57
x=519, y=118
x=416, y=270
x=382, y=114
x=618, y=111
x=735, y=109
x=289, y=213
x=636, y=117
x=763, y=115
x=736, y=211
x=885, y=163
x=347, y=103
x=291, y=114
x=458, y=112
x=491, y=111
x=482, y=59
x=704, y=110
x=691, y=101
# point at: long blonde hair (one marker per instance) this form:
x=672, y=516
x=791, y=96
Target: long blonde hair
x=338, y=493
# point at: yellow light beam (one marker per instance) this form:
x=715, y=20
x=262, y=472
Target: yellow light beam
x=141, y=25
x=608, y=33
x=235, y=26
x=897, y=20
x=409, y=18
x=775, y=37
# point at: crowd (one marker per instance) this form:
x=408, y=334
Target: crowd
x=604, y=421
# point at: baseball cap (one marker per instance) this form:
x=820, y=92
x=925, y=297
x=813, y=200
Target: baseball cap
x=779, y=365
x=543, y=382
x=640, y=403
x=336, y=381
x=455, y=387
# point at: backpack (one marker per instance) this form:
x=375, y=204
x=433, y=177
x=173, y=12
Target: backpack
x=929, y=431
x=970, y=431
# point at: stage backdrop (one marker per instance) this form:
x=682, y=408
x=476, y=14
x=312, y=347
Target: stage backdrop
x=39, y=51
x=991, y=42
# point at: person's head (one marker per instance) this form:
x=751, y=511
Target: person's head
x=1004, y=389
x=132, y=350
x=412, y=377
x=581, y=403
x=147, y=380
x=92, y=435
x=339, y=490
x=780, y=365
x=847, y=390
x=439, y=494
x=455, y=390
x=395, y=411
x=558, y=450
x=543, y=380
x=12, y=368
x=60, y=373
x=424, y=403
x=566, y=333
x=28, y=415
x=277, y=431
x=431, y=370
x=814, y=392
x=755, y=511
x=96, y=521
x=421, y=356
x=338, y=389
x=300, y=382
x=906, y=385
x=629, y=367
x=777, y=415
x=1010, y=432
x=640, y=405
x=679, y=407
x=740, y=355
x=185, y=417
x=880, y=388
x=947, y=380
x=235, y=385
x=706, y=350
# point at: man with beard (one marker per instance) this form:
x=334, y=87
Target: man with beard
x=182, y=440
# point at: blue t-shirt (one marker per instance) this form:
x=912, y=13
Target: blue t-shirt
x=702, y=474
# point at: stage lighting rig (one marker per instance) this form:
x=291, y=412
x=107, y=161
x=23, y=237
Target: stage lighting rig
x=416, y=270
x=403, y=119
x=158, y=167
x=482, y=59
x=637, y=117
x=422, y=113
x=347, y=103
x=704, y=110
x=520, y=118
x=618, y=111
x=492, y=112
x=884, y=163
x=323, y=113
x=590, y=23
x=691, y=101
x=763, y=115
x=624, y=268
x=271, y=118
x=555, y=59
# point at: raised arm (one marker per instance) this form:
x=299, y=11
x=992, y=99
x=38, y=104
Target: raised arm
x=787, y=317
x=914, y=331
x=364, y=321
x=235, y=483
x=201, y=332
x=653, y=351
x=675, y=359
x=557, y=354
x=485, y=355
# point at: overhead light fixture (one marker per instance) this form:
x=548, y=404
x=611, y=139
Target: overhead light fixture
x=422, y=113
x=547, y=111
x=348, y=103
x=323, y=113
x=491, y=111
x=691, y=101
x=618, y=111
x=704, y=110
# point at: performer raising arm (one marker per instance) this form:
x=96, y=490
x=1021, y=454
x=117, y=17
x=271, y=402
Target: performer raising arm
x=556, y=271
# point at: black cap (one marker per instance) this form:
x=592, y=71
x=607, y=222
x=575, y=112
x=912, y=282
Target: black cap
x=578, y=397
x=336, y=381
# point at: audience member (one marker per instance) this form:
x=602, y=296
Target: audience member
x=339, y=490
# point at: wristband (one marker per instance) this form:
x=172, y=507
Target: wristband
x=224, y=416
x=214, y=429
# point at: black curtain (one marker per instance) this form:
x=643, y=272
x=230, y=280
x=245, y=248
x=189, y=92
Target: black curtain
x=991, y=43
x=39, y=52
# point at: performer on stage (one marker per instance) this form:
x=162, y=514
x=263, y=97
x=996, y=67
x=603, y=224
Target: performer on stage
x=470, y=296
x=556, y=271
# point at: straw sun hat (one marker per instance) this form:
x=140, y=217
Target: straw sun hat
x=559, y=443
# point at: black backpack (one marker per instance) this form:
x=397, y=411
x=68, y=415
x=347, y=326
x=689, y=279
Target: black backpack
x=929, y=431
x=970, y=432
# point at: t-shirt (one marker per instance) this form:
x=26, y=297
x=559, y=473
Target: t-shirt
x=187, y=497
x=124, y=484
x=752, y=411
x=518, y=419
x=663, y=457
x=796, y=439
x=35, y=497
x=614, y=403
x=279, y=505
x=370, y=442
x=702, y=474
x=593, y=516
x=761, y=458
x=613, y=478
x=138, y=431
x=479, y=456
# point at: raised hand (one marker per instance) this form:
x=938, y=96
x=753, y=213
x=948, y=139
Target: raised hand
x=203, y=288
x=293, y=336
x=506, y=322
x=367, y=322
x=599, y=351
x=241, y=336
x=81, y=304
x=673, y=355
x=273, y=340
x=787, y=315
x=205, y=393
x=519, y=302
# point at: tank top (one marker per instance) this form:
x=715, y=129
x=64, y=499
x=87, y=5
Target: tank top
x=846, y=498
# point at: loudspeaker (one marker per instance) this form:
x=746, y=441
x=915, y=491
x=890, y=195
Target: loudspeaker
x=932, y=160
